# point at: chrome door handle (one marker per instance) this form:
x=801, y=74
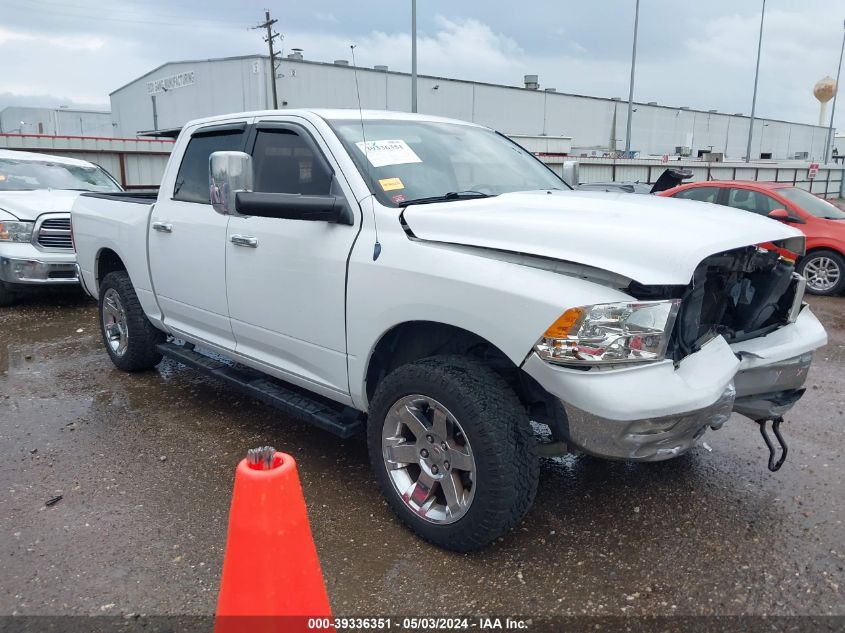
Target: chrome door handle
x=244, y=240
x=163, y=227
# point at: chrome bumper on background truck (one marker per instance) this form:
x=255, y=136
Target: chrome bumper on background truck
x=14, y=270
x=658, y=411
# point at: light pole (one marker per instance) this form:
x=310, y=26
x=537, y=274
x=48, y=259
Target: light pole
x=727, y=135
x=756, y=77
x=762, y=131
x=833, y=108
x=633, y=68
x=413, y=55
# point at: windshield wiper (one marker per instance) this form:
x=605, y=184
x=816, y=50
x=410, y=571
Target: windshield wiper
x=451, y=195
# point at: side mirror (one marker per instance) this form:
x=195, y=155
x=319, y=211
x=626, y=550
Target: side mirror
x=569, y=173
x=228, y=173
x=780, y=214
x=292, y=206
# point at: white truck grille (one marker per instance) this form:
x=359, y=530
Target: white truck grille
x=53, y=233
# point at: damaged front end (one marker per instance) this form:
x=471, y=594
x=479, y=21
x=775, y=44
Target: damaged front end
x=743, y=295
x=740, y=295
x=741, y=342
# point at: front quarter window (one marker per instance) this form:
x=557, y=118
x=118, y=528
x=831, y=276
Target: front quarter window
x=811, y=204
x=415, y=160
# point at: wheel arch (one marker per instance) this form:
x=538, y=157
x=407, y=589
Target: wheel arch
x=107, y=261
x=824, y=247
x=413, y=340
x=409, y=341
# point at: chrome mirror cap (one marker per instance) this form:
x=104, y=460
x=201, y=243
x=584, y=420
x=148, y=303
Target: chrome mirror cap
x=228, y=173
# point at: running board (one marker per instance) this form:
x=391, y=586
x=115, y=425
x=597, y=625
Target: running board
x=333, y=417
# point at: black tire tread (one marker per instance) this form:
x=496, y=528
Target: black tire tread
x=141, y=353
x=506, y=436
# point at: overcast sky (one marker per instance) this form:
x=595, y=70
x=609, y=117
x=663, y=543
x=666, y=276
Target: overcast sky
x=699, y=54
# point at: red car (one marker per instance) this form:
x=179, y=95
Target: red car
x=822, y=223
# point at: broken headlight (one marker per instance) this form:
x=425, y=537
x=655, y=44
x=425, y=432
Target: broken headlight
x=623, y=332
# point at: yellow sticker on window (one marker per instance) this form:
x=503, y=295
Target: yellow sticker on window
x=391, y=184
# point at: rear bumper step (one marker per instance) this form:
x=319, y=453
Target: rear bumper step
x=335, y=418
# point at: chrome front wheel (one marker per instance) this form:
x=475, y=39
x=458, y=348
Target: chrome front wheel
x=452, y=450
x=428, y=459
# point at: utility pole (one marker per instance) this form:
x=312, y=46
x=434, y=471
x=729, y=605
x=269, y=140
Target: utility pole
x=413, y=55
x=833, y=109
x=756, y=77
x=268, y=24
x=631, y=89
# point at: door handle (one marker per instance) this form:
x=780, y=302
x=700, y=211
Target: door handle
x=163, y=227
x=244, y=240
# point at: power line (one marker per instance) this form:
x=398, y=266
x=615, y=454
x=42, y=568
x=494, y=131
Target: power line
x=271, y=36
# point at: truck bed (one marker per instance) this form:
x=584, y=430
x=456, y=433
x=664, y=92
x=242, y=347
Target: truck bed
x=109, y=227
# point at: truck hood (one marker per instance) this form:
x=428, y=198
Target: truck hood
x=650, y=239
x=28, y=205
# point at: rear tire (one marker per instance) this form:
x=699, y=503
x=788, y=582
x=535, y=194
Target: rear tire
x=453, y=451
x=128, y=335
x=825, y=272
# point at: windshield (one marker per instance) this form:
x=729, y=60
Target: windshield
x=27, y=175
x=408, y=161
x=812, y=204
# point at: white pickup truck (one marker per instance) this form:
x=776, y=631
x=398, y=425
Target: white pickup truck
x=36, y=194
x=430, y=282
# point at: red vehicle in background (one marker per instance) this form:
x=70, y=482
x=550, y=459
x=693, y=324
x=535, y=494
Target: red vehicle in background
x=823, y=223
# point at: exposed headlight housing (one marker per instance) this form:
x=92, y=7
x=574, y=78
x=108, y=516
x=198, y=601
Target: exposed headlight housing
x=14, y=231
x=625, y=332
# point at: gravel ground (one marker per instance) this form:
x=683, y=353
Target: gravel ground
x=144, y=465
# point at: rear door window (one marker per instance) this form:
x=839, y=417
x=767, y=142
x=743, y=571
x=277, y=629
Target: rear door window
x=192, y=179
x=702, y=194
x=753, y=201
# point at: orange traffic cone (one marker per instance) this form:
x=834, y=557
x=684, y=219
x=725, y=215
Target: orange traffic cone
x=271, y=574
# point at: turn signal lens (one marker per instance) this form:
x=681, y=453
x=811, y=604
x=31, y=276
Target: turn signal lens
x=564, y=324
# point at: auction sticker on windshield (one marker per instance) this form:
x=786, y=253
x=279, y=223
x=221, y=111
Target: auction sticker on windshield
x=388, y=152
x=391, y=184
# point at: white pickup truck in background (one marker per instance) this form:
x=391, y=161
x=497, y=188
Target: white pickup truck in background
x=431, y=282
x=37, y=192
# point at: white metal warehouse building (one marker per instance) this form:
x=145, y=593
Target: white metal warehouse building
x=177, y=92
x=55, y=121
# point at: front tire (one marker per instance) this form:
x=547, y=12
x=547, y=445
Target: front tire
x=825, y=272
x=453, y=451
x=128, y=335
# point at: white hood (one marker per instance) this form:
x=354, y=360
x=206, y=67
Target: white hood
x=28, y=205
x=650, y=239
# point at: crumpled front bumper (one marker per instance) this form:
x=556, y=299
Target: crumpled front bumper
x=657, y=411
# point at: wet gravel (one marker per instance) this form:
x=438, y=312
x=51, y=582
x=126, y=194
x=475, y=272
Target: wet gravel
x=143, y=466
